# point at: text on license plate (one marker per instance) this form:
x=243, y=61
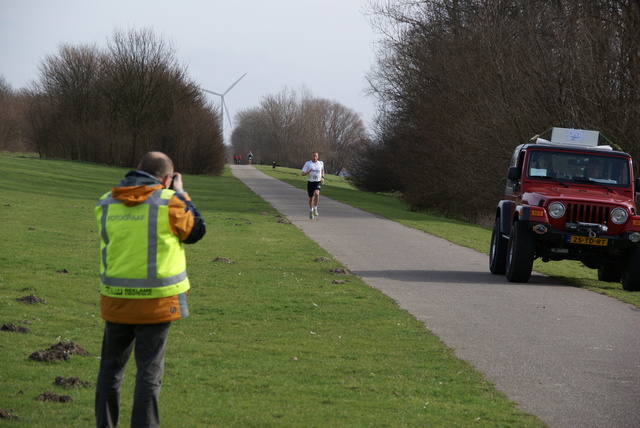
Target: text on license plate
x=588, y=241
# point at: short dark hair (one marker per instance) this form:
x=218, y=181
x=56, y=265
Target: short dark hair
x=157, y=164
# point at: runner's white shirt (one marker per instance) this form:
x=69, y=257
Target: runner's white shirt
x=316, y=170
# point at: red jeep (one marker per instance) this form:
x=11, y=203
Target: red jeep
x=568, y=199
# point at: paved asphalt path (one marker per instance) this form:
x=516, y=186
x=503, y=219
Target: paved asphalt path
x=567, y=355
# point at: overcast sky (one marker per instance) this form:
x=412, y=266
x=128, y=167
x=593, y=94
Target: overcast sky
x=327, y=46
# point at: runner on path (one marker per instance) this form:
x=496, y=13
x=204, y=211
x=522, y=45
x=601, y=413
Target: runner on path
x=314, y=171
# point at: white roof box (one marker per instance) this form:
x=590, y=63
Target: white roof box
x=578, y=137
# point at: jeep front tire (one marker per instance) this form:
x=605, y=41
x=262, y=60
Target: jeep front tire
x=631, y=276
x=520, y=252
x=498, y=250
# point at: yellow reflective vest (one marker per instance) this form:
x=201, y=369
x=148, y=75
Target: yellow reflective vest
x=140, y=257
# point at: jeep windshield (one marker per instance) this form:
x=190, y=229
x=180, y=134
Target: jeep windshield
x=579, y=167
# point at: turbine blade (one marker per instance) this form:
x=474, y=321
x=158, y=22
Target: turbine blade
x=211, y=92
x=227, y=111
x=234, y=84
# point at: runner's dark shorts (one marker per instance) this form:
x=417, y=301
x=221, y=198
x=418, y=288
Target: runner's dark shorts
x=312, y=186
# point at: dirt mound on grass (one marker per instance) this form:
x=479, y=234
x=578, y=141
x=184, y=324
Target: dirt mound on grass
x=50, y=396
x=15, y=328
x=60, y=351
x=223, y=260
x=6, y=415
x=71, y=382
x=31, y=299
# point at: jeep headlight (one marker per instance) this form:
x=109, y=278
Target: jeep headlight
x=556, y=210
x=619, y=215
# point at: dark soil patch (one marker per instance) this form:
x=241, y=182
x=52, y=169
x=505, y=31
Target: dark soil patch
x=31, y=299
x=339, y=271
x=60, y=351
x=281, y=219
x=50, y=396
x=322, y=259
x=71, y=382
x=6, y=415
x=223, y=260
x=15, y=328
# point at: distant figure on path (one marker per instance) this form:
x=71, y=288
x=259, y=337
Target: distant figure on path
x=314, y=170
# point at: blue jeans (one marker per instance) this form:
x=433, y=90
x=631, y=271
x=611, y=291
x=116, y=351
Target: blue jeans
x=148, y=341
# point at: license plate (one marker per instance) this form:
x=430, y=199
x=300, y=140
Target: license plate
x=585, y=240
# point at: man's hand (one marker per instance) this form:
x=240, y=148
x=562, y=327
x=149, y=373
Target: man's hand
x=177, y=182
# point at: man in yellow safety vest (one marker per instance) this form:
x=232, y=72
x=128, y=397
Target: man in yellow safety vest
x=143, y=224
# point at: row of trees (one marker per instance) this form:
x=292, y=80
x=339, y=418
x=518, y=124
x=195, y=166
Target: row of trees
x=12, y=120
x=285, y=127
x=462, y=82
x=111, y=106
x=459, y=83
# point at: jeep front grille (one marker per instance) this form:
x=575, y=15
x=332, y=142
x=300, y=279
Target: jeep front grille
x=587, y=213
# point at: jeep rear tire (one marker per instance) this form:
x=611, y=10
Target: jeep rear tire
x=631, y=276
x=498, y=250
x=520, y=252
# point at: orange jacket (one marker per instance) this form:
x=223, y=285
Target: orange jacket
x=185, y=223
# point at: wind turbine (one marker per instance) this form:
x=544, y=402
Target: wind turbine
x=223, y=105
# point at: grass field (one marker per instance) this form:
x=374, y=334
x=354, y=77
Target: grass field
x=275, y=337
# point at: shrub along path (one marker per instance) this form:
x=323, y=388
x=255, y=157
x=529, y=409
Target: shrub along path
x=567, y=355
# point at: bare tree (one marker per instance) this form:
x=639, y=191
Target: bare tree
x=287, y=126
x=13, y=106
x=112, y=106
x=251, y=135
x=309, y=128
x=280, y=112
x=460, y=83
x=344, y=132
x=8, y=127
x=68, y=93
x=143, y=83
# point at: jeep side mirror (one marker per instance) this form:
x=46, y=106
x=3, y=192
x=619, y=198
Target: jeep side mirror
x=637, y=189
x=513, y=174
